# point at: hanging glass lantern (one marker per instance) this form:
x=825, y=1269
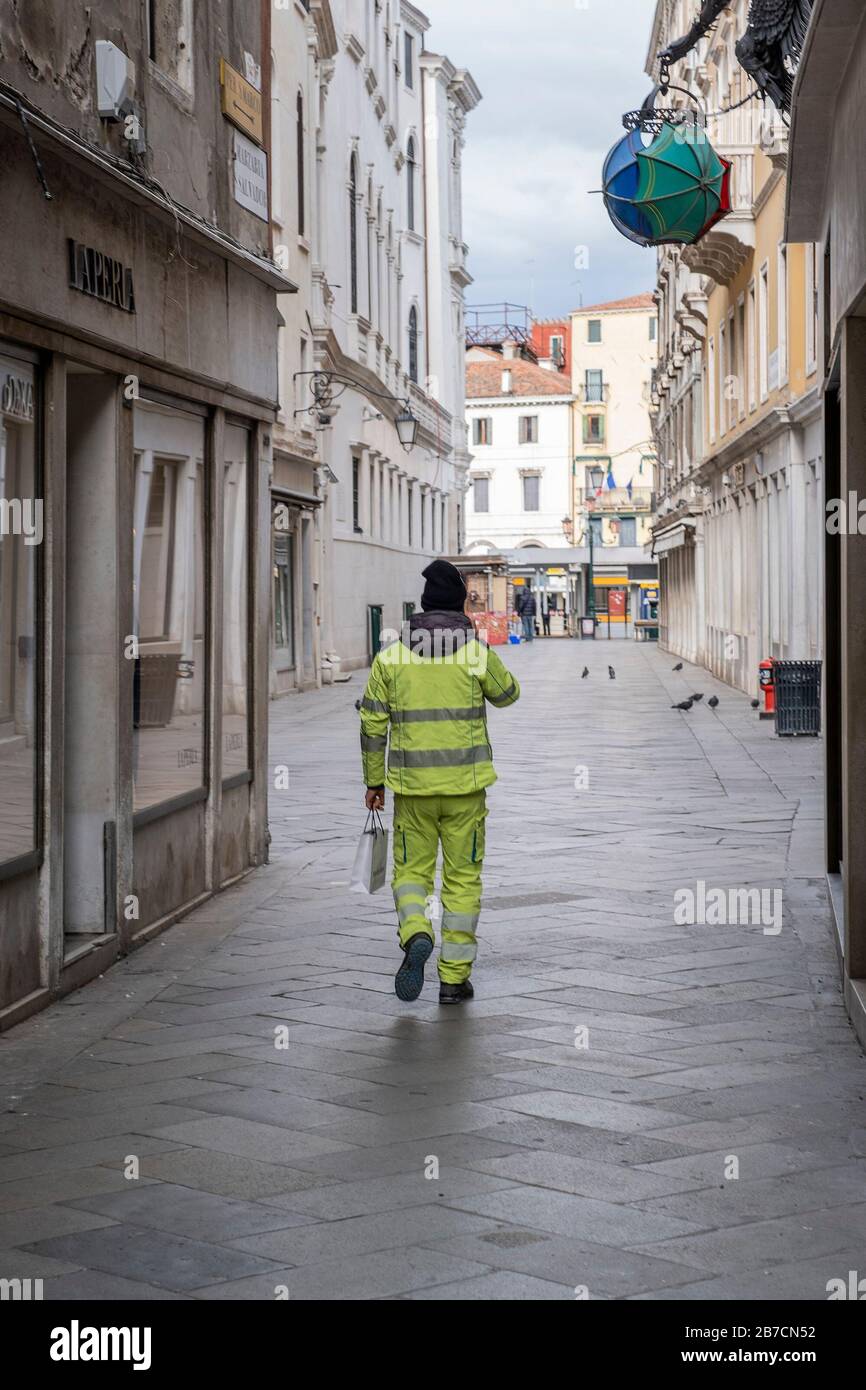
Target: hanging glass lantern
x=672, y=188
x=620, y=181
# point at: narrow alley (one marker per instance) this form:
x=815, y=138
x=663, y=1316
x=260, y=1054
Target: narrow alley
x=632, y=1107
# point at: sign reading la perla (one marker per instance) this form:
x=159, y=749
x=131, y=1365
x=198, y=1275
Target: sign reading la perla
x=250, y=176
x=101, y=276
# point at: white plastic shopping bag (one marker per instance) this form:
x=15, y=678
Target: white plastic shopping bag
x=371, y=861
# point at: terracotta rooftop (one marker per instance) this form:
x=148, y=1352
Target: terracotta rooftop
x=634, y=301
x=484, y=379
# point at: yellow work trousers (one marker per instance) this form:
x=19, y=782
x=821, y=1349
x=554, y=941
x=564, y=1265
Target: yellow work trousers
x=420, y=824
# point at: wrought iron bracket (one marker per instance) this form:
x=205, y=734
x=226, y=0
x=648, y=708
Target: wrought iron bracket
x=327, y=388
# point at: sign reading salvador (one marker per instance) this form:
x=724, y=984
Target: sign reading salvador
x=250, y=176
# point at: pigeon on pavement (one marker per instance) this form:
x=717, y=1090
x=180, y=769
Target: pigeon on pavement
x=713, y=701
x=678, y=667
x=611, y=672
x=756, y=704
x=684, y=704
x=584, y=673
x=697, y=698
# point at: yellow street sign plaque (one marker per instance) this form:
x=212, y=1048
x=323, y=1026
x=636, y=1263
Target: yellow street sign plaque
x=240, y=102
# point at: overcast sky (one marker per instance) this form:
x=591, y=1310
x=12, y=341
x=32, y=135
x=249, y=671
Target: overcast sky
x=556, y=76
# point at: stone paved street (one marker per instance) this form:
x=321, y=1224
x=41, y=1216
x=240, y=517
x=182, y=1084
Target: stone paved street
x=606, y=1165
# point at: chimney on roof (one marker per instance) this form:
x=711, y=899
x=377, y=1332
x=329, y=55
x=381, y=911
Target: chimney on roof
x=510, y=349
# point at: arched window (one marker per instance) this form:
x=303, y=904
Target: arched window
x=353, y=235
x=410, y=184
x=301, y=171
x=413, y=344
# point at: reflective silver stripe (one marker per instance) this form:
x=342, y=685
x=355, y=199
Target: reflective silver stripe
x=451, y=953
x=403, y=890
x=503, y=696
x=407, y=910
x=460, y=921
x=424, y=716
x=375, y=706
x=374, y=744
x=439, y=757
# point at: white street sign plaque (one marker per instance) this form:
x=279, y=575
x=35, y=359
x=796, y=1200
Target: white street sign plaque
x=250, y=176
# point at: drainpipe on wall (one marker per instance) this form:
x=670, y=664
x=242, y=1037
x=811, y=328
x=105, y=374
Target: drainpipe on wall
x=266, y=109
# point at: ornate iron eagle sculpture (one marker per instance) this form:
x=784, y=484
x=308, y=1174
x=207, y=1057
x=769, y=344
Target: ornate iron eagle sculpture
x=770, y=49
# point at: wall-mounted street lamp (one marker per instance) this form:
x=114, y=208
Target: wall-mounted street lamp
x=407, y=428
x=326, y=389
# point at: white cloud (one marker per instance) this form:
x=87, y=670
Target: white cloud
x=556, y=78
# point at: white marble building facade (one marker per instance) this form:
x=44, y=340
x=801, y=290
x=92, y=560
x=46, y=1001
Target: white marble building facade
x=382, y=267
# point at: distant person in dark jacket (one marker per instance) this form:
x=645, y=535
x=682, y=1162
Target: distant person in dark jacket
x=527, y=609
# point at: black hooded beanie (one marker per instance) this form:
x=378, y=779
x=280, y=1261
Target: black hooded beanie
x=445, y=591
x=442, y=602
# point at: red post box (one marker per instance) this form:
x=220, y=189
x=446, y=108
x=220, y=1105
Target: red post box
x=768, y=688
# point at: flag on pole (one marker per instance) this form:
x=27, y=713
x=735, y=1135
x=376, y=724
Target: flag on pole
x=611, y=482
x=628, y=487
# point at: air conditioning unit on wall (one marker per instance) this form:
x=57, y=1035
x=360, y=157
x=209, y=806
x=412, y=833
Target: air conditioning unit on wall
x=115, y=81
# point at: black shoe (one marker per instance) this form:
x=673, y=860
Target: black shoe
x=409, y=980
x=455, y=994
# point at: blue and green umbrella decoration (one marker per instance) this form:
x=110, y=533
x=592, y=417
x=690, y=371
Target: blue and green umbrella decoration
x=673, y=189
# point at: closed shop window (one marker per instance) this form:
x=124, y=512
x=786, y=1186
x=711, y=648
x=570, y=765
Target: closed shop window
x=21, y=533
x=284, y=627
x=236, y=591
x=169, y=695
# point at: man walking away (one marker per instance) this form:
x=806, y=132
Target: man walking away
x=527, y=608
x=429, y=690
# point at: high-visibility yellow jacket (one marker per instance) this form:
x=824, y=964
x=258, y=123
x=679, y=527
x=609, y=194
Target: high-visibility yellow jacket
x=431, y=696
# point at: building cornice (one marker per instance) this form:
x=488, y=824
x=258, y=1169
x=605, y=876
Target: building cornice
x=438, y=66
x=326, y=32
x=414, y=15
x=807, y=407
x=490, y=402
x=459, y=82
x=763, y=431
x=465, y=90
